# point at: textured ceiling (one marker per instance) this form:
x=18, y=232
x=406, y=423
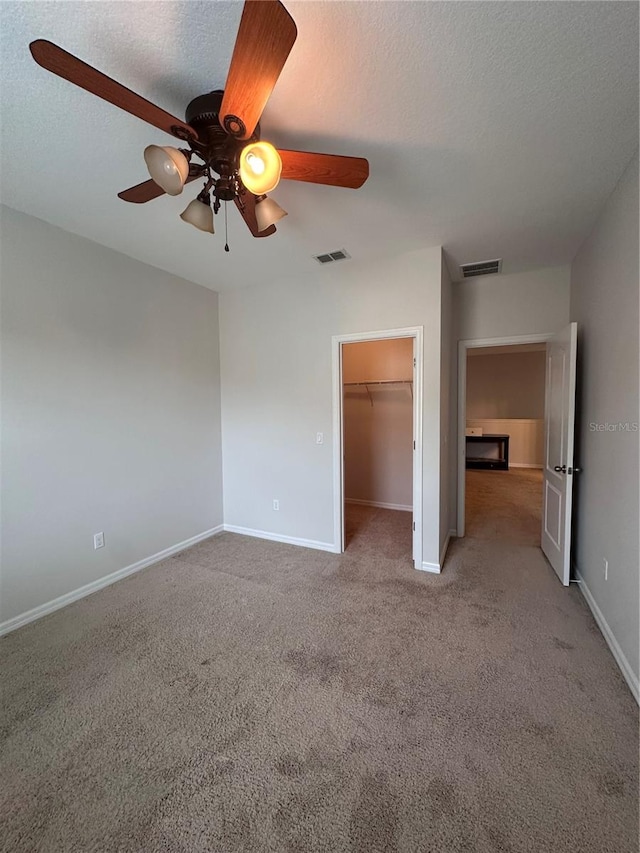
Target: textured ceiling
x=495, y=129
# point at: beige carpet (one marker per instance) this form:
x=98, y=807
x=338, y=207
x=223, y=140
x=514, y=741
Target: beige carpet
x=251, y=696
x=504, y=505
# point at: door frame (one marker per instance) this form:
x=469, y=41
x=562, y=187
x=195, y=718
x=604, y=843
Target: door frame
x=463, y=346
x=415, y=332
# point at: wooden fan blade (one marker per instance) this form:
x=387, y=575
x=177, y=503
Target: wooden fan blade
x=147, y=191
x=247, y=208
x=266, y=35
x=65, y=65
x=329, y=169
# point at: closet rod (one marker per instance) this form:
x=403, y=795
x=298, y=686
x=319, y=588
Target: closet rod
x=408, y=382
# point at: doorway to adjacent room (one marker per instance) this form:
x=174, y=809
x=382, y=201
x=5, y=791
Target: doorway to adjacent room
x=493, y=451
x=504, y=442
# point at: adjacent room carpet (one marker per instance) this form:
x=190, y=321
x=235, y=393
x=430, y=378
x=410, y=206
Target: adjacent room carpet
x=251, y=696
x=504, y=505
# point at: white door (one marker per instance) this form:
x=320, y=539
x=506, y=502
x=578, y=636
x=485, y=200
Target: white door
x=559, y=467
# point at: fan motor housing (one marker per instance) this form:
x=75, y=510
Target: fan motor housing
x=216, y=147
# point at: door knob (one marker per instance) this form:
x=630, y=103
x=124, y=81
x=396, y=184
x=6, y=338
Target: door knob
x=561, y=469
x=575, y=470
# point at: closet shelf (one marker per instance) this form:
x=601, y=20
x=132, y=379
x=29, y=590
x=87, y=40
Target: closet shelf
x=377, y=382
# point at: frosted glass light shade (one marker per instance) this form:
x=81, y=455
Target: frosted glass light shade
x=268, y=212
x=168, y=167
x=198, y=214
x=260, y=167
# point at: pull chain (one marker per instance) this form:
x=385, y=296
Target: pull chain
x=226, y=232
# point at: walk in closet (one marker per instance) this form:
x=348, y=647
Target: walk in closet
x=378, y=433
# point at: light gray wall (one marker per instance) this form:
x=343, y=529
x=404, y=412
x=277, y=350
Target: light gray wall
x=604, y=303
x=277, y=387
x=509, y=385
x=524, y=303
x=110, y=411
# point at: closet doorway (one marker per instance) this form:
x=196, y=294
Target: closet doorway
x=377, y=386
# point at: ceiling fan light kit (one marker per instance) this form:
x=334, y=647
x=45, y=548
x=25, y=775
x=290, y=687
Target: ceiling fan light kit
x=221, y=129
x=199, y=214
x=260, y=167
x=268, y=212
x=168, y=167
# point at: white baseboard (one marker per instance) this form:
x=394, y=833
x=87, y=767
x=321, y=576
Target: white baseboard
x=287, y=540
x=94, y=586
x=525, y=465
x=629, y=676
x=434, y=568
x=380, y=504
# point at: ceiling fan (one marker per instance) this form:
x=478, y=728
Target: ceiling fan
x=221, y=129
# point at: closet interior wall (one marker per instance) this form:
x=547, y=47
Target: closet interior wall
x=378, y=422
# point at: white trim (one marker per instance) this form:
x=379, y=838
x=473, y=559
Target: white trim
x=415, y=332
x=418, y=472
x=279, y=537
x=463, y=346
x=475, y=421
x=338, y=473
x=625, y=667
x=510, y=340
x=379, y=504
x=525, y=465
x=107, y=580
x=379, y=335
x=436, y=568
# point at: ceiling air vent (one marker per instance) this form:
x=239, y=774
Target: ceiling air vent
x=481, y=268
x=330, y=257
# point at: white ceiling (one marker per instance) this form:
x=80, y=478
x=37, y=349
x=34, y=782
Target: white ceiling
x=496, y=129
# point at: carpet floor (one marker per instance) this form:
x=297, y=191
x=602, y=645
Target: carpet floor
x=252, y=696
x=504, y=505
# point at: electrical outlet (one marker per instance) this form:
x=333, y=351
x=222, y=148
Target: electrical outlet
x=276, y=505
x=606, y=569
x=98, y=541
x=319, y=438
